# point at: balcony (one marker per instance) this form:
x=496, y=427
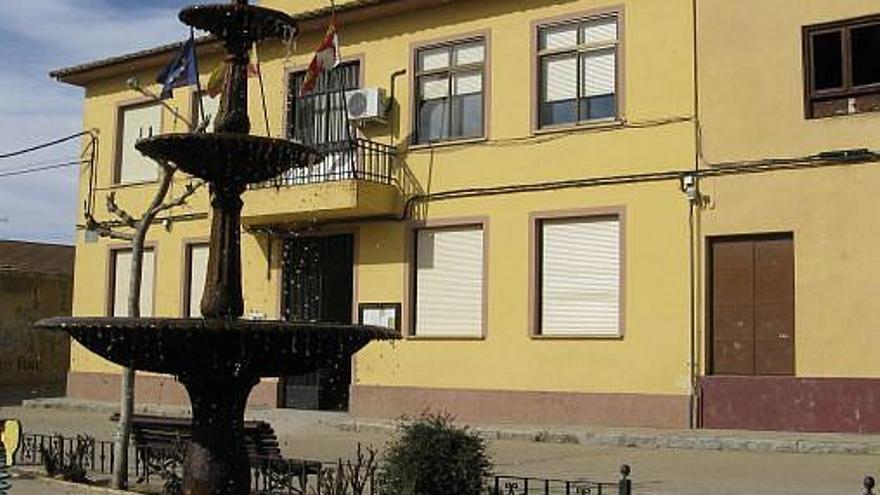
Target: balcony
x=355, y=180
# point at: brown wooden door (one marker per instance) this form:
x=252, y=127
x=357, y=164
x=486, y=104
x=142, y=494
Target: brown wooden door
x=752, y=305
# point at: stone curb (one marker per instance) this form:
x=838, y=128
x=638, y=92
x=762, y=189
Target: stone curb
x=675, y=439
x=102, y=407
x=701, y=440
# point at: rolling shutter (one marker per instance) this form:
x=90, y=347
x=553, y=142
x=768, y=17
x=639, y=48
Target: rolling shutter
x=122, y=276
x=560, y=78
x=198, y=270
x=580, y=279
x=599, y=73
x=449, y=282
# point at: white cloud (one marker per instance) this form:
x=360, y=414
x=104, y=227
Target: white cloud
x=37, y=37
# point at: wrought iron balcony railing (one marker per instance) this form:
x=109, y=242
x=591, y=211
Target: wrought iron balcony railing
x=356, y=159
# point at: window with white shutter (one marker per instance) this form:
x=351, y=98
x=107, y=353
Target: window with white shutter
x=196, y=273
x=450, y=91
x=578, y=71
x=137, y=122
x=121, y=276
x=449, y=282
x=580, y=277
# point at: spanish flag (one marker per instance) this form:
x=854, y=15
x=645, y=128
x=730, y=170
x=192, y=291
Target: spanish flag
x=326, y=58
x=217, y=81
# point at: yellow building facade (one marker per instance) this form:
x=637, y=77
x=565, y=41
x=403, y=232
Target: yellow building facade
x=537, y=212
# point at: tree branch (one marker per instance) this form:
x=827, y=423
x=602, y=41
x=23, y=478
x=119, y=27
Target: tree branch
x=104, y=231
x=189, y=190
x=123, y=215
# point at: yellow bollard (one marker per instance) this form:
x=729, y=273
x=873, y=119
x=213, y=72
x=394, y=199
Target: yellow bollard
x=10, y=436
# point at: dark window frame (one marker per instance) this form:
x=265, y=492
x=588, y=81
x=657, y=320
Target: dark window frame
x=323, y=89
x=579, y=51
x=848, y=89
x=449, y=72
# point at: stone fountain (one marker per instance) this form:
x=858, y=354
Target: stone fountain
x=220, y=357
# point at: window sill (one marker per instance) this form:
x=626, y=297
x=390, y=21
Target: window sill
x=447, y=143
x=602, y=124
x=610, y=336
x=843, y=106
x=442, y=338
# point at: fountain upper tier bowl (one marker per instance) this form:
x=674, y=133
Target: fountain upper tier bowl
x=182, y=346
x=228, y=158
x=248, y=23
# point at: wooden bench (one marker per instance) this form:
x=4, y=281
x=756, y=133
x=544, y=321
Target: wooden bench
x=158, y=441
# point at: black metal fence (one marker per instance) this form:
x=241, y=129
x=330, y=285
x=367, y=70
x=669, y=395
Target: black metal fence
x=276, y=476
x=94, y=455
x=355, y=159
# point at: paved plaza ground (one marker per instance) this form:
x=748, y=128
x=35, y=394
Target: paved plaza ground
x=655, y=471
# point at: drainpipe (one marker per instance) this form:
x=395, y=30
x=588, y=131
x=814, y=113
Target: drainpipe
x=696, y=201
x=391, y=100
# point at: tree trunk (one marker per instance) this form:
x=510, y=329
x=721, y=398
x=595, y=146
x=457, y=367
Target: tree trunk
x=126, y=396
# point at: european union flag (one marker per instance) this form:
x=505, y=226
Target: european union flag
x=183, y=70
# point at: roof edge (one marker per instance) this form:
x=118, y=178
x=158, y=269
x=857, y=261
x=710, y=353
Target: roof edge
x=355, y=11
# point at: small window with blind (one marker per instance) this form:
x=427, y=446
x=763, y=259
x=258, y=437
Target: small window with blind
x=120, y=276
x=578, y=74
x=842, y=64
x=448, y=278
x=196, y=273
x=579, y=277
x=136, y=122
x=450, y=84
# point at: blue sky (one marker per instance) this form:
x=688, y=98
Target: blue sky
x=37, y=36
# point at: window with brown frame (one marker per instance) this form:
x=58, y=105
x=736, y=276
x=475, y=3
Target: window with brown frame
x=577, y=63
x=136, y=122
x=579, y=276
x=196, y=272
x=450, y=80
x=120, y=275
x=842, y=66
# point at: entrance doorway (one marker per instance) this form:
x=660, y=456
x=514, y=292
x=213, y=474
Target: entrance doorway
x=752, y=305
x=318, y=287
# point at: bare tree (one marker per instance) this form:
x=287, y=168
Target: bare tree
x=134, y=230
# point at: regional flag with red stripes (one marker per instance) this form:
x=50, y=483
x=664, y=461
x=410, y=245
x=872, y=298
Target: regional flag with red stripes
x=326, y=58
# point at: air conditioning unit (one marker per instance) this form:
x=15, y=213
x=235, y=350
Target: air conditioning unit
x=366, y=105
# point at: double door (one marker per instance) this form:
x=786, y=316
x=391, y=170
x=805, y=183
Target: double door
x=752, y=305
x=318, y=287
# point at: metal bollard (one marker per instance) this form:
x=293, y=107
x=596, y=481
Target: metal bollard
x=868, y=483
x=625, y=484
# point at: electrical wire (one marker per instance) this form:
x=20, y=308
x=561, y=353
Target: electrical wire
x=45, y=145
x=44, y=168
x=48, y=161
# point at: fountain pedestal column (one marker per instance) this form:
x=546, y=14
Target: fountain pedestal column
x=222, y=297
x=216, y=459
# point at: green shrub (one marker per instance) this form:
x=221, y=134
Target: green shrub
x=432, y=456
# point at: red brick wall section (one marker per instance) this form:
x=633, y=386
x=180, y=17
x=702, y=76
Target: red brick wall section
x=850, y=405
x=523, y=407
